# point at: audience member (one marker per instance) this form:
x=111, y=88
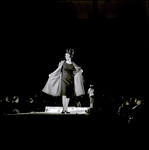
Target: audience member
x=91, y=95
x=138, y=109
x=15, y=104
x=129, y=111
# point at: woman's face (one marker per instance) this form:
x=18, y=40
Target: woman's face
x=67, y=56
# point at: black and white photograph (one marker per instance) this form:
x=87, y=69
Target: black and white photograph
x=74, y=73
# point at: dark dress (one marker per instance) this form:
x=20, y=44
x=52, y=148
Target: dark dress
x=67, y=80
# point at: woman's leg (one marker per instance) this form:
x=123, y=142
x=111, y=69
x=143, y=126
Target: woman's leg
x=67, y=103
x=64, y=102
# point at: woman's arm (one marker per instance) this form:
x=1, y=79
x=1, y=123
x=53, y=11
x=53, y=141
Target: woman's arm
x=77, y=69
x=75, y=72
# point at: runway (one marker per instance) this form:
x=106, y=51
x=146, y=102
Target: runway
x=50, y=119
x=57, y=111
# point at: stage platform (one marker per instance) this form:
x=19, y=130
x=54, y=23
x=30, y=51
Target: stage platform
x=57, y=111
x=72, y=110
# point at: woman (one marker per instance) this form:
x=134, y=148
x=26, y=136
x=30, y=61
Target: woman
x=66, y=80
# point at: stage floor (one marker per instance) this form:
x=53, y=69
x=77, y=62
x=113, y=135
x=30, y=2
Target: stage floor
x=57, y=111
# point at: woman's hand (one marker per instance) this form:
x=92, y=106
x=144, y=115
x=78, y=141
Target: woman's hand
x=75, y=72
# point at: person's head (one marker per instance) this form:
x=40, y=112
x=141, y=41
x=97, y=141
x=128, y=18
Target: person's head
x=69, y=53
x=91, y=86
x=139, y=102
x=127, y=102
x=135, y=100
x=31, y=100
x=15, y=99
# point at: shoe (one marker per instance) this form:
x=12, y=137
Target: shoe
x=63, y=112
x=67, y=112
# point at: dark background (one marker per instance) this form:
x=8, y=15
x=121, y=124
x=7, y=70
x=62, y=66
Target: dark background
x=113, y=52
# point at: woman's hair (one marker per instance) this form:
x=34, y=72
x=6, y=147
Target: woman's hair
x=70, y=51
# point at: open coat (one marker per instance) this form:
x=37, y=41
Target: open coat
x=53, y=85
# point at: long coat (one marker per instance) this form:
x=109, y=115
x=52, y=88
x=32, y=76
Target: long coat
x=53, y=85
